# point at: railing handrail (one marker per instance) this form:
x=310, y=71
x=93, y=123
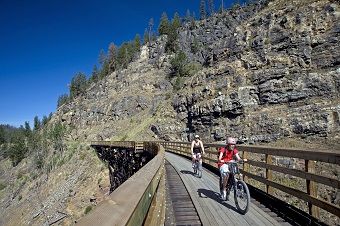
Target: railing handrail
x=332, y=157
x=129, y=203
x=310, y=156
x=327, y=156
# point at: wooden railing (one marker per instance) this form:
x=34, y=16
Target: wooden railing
x=123, y=144
x=130, y=202
x=308, y=158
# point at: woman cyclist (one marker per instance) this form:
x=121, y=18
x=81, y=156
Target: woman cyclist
x=226, y=155
x=196, y=148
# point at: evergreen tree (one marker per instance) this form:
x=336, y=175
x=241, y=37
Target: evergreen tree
x=178, y=64
x=125, y=54
x=36, y=123
x=56, y=134
x=145, y=36
x=78, y=85
x=211, y=7
x=151, y=23
x=64, y=98
x=95, y=74
x=112, y=57
x=50, y=116
x=104, y=62
x=171, y=44
x=176, y=22
x=18, y=148
x=164, y=25
x=2, y=135
x=187, y=16
x=28, y=130
x=137, y=43
x=102, y=57
x=44, y=120
x=203, y=12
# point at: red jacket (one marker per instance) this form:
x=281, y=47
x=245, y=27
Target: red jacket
x=227, y=155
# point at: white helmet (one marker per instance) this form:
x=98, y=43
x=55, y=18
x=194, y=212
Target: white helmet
x=231, y=140
x=196, y=136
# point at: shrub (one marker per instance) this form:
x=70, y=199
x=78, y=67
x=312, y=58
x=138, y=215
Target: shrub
x=2, y=186
x=88, y=209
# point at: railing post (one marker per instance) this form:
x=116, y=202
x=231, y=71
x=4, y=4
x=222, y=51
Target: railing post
x=245, y=166
x=269, y=174
x=312, y=189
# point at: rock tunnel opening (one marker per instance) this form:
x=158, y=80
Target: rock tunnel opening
x=122, y=162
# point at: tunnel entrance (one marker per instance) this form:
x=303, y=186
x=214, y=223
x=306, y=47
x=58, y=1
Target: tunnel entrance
x=122, y=162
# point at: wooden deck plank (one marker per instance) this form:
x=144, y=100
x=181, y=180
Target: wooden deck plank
x=212, y=210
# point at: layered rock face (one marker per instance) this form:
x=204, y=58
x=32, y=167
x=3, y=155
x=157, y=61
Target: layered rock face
x=269, y=71
x=271, y=74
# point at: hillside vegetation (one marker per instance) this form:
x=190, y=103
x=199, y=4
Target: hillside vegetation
x=266, y=73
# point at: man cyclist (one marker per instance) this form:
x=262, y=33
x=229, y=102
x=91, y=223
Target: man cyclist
x=196, y=149
x=226, y=155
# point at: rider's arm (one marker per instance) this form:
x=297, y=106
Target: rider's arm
x=239, y=158
x=220, y=157
x=192, y=148
x=202, y=147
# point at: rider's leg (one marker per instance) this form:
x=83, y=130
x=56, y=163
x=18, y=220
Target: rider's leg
x=193, y=160
x=224, y=170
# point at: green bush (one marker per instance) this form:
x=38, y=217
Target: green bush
x=88, y=209
x=2, y=186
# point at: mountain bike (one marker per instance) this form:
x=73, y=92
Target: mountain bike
x=241, y=191
x=198, y=165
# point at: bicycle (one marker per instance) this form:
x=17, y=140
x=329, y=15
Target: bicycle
x=241, y=191
x=198, y=165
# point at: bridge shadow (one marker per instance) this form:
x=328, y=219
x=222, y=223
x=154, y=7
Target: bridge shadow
x=187, y=172
x=204, y=193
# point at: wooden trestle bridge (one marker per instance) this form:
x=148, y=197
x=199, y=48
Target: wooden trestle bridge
x=152, y=184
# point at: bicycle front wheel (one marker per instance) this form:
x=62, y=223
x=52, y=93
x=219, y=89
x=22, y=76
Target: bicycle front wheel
x=242, y=197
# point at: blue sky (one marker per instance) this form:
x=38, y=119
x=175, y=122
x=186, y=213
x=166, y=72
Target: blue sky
x=44, y=43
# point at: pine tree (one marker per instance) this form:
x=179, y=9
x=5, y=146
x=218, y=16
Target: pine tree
x=187, y=16
x=203, y=12
x=44, y=120
x=95, y=74
x=112, y=55
x=50, y=116
x=151, y=23
x=2, y=135
x=78, y=85
x=64, y=98
x=137, y=43
x=176, y=22
x=145, y=37
x=18, y=148
x=28, y=130
x=164, y=25
x=102, y=57
x=36, y=123
x=211, y=7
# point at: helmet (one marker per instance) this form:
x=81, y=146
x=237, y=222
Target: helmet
x=196, y=136
x=231, y=140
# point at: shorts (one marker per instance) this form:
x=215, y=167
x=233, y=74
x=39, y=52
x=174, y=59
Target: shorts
x=224, y=169
x=197, y=155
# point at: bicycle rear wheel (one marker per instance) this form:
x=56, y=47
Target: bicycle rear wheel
x=199, y=169
x=242, y=197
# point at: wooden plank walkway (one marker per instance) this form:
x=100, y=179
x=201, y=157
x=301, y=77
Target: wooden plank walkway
x=205, y=195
